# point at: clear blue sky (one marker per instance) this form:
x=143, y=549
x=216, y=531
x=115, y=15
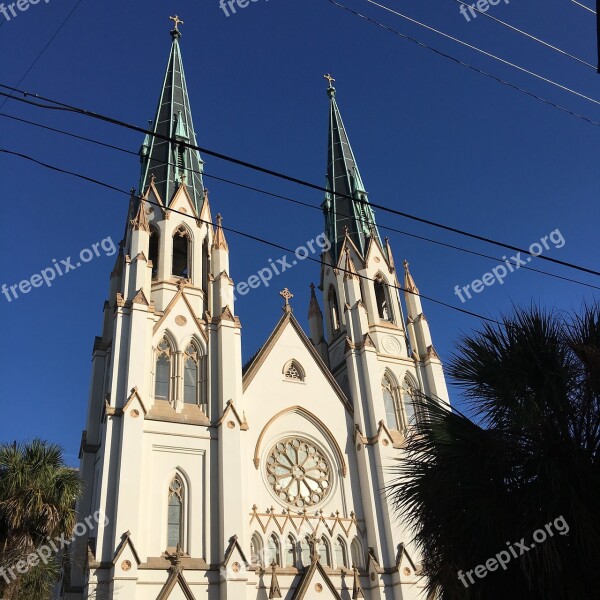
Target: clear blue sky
x=431, y=138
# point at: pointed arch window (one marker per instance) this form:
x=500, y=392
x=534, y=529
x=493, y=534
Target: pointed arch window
x=293, y=370
x=290, y=551
x=389, y=402
x=163, y=370
x=305, y=552
x=382, y=299
x=323, y=552
x=181, y=253
x=153, y=250
x=358, y=559
x=192, y=375
x=334, y=311
x=273, y=553
x=175, y=515
x=341, y=554
x=409, y=391
x=256, y=550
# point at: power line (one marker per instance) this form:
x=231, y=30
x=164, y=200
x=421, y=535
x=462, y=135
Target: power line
x=484, y=52
x=583, y=6
x=295, y=201
x=65, y=107
x=43, y=50
x=235, y=231
x=533, y=37
x=467, y=65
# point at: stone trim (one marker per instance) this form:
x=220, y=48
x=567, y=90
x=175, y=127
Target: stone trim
x=230, y=407
x=126, y=541
x=179, y=294
x=316, y=421
x=263, y=353
x=298, y=521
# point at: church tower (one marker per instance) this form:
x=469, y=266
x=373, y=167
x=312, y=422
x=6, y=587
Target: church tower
x=360, y=284
x=379, y=357
x=166, y=373
x=223, y=482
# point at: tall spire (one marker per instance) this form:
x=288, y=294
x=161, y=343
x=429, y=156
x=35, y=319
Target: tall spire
x=343, y=179
x=171, y=164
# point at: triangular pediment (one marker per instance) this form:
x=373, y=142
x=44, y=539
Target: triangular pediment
x=179, y=307
x=140, y=298
x=176, y=587
x=153, y=197
x=241, y=419
x=289, y=321
x=315, y=579
x=126, y=550
x=354, y=255
x=235, y=564
x=182, y=202
x=135, y=401
x=404, y=562
x=376, y=250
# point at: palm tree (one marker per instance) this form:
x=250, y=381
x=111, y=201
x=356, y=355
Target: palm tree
x=38, y=493
x=528, y=457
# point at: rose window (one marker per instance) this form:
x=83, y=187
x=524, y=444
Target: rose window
x=298, y=472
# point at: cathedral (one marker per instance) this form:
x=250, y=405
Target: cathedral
x=224, y=481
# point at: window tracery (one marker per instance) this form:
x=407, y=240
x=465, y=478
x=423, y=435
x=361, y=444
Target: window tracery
x=298, y=472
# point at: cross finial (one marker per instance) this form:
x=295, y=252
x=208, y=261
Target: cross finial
x=330, y=89
x=286, y=295
x=176, y=20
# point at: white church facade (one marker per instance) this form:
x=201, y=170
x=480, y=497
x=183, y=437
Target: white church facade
x=220, y=481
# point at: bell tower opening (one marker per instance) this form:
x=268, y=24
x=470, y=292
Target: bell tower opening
x=181, y=253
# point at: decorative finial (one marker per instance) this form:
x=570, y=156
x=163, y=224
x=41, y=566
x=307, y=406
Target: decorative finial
x=357, y=591
x=219, y=241
x=274, y=589
x=286, y=295
x=409, y=282
x=175, y=33
x=330, y=89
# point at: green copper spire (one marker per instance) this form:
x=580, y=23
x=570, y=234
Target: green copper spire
x=343, y=179
x=171, y=164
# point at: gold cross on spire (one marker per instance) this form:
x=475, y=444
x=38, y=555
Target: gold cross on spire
x=176, y=20
x=329, y=78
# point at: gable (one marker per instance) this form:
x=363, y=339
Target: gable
x=178, y=307
x=289, y=342
x=182, y=202
x=316, y=580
